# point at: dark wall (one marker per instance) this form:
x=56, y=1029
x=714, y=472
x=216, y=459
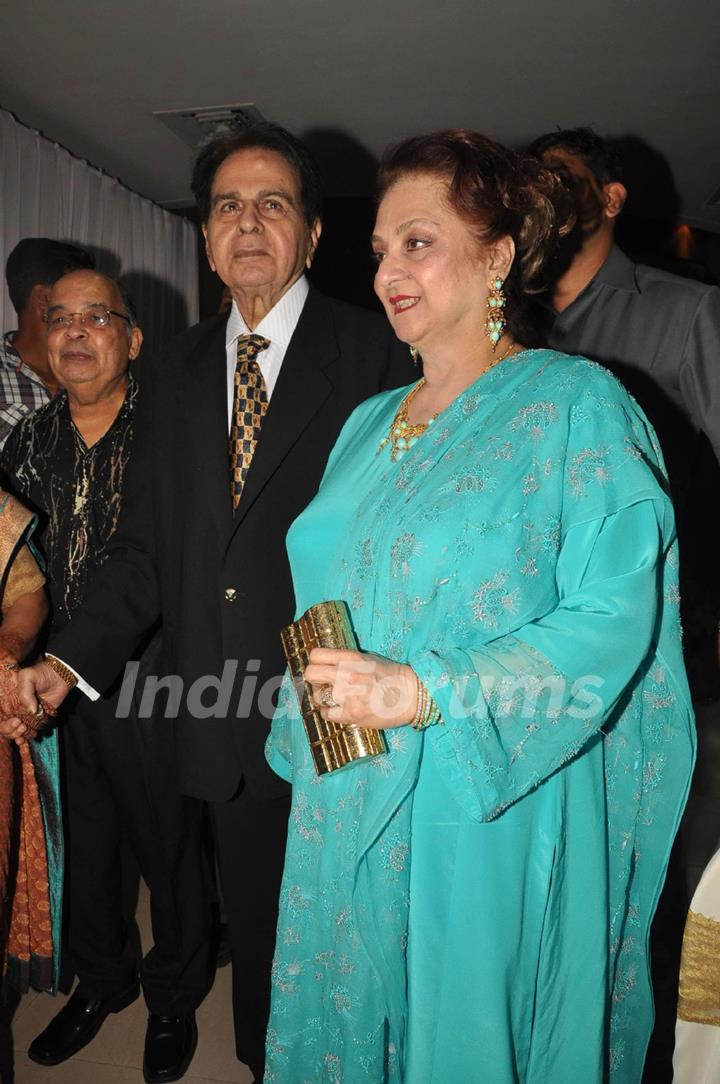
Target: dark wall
x=343, y=267
x=691, y=253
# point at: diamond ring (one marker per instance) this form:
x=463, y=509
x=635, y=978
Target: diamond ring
x=326, y=697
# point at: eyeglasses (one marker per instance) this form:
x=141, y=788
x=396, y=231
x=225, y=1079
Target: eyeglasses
x=95, y=317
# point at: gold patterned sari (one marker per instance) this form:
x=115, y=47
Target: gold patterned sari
x=30, y=836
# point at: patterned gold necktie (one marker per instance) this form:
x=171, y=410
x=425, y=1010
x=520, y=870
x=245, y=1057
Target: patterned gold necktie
x=250, y=403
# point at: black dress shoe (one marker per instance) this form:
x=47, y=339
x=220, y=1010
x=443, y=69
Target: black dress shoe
x=77, y=1023
x=170, y=1043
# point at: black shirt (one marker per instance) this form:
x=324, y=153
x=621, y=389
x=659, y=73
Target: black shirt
x=76, y=491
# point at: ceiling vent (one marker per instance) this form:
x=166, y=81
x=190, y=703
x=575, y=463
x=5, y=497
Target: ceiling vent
x=194, y=126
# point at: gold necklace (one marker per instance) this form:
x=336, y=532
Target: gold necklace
x=402, y=434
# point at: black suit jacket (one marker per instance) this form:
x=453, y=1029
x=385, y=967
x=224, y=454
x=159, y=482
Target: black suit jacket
x=221, y=583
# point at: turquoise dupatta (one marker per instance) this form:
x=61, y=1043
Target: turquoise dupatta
x=475, y=906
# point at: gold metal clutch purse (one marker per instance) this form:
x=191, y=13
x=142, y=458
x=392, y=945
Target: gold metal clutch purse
x=333, y=745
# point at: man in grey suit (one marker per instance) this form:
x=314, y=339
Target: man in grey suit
x=660, y=334
x=628, y=316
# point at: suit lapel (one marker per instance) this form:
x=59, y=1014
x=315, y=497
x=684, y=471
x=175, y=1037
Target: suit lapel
x=300, y=392
x=207, y=425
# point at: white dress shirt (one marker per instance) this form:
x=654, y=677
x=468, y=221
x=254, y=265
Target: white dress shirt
x=278, y=326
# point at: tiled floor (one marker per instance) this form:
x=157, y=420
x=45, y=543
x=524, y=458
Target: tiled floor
x=115, y=1055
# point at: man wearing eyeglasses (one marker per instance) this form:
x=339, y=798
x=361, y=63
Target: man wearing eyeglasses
x=26, y=381
x=242, y=412
x=69, y=460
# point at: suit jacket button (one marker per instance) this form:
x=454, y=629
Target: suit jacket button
x=230, y=594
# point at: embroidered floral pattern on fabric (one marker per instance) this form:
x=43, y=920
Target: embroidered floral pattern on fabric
x=452, y=559
x=492, y=600
x=473, y=479
x=402, y=551
x=587, y=467
x=535, y=420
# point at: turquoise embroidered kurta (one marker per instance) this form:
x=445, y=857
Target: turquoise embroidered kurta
x=474, y=907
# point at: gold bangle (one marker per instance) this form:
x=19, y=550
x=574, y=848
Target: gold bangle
x=427, y=711
x=62, y=670
x=420, y=706
x=431, y=715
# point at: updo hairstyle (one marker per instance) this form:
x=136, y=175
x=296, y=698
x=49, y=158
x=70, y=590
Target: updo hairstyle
x=498, y=193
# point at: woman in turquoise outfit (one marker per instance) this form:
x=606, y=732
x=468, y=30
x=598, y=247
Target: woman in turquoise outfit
x=473, y=907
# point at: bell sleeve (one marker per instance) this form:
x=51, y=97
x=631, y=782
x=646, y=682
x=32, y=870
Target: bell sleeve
x=517, y=708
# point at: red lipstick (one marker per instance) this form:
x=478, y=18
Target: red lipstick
x=402, y=302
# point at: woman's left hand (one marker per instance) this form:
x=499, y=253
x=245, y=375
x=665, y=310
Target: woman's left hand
x=368, y=690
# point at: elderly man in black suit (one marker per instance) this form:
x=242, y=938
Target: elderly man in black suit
x=202, y=540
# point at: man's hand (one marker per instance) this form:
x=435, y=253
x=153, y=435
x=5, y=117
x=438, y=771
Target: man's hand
x=367, y=690
x=41, y=681
x=37, y=687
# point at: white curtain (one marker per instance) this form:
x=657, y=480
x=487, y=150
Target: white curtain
x=47, y=192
